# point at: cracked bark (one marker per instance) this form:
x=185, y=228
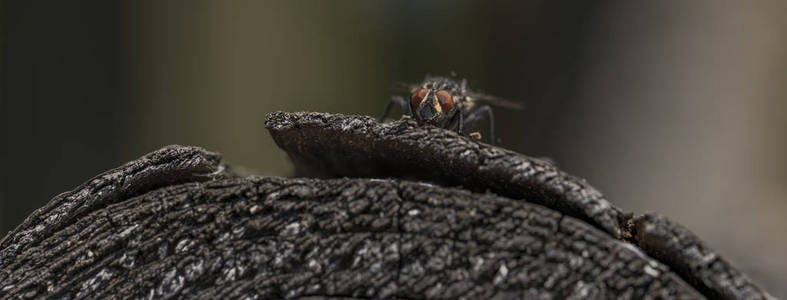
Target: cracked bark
x=489, y=224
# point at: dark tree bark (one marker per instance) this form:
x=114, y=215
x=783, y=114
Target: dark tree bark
x=177, y=223
x=325, y=145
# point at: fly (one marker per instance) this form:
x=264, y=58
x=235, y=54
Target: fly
x=448, y=103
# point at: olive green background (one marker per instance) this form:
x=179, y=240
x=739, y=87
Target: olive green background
x=671, y=107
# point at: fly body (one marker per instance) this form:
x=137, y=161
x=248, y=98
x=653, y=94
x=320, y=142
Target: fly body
x=447, y=103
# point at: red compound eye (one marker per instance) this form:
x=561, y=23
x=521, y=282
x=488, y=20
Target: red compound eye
x=446, y=101
x=417, y=97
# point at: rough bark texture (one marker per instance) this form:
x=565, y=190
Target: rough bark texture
x=688, y=255
x=176, y=224
x=170, y=165
x=327, y=145
x=290, y=238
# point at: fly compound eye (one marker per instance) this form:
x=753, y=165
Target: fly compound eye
x=446, y=101
x=417, y=97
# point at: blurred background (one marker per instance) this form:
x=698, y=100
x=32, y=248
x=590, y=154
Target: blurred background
x=674, y=107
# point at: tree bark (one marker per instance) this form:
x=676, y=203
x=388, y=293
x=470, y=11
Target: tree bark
x=454, y=218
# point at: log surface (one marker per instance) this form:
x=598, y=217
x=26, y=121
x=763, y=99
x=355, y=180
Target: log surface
x=289, y=238
x=177, y=224
x=327, y=145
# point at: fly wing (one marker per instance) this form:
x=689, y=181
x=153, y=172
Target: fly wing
x=496, y=101
x=480, y=97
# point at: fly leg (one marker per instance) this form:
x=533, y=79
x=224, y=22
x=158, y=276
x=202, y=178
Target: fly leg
x=477, y=114
x=461, y=121
x=455, y=122
x=398, y=100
